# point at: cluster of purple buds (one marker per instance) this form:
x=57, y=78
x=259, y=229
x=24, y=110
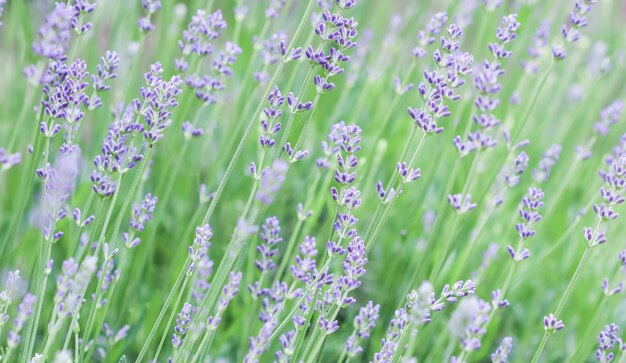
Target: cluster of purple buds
x=538, y=43
x=609, y=117
x=364, y=322
x=204, y=270
x=462, y=204
x=150, y=7
x=59, y=183
x=347, y=196
x=81, y=8
x=7, y=296
x=228, y=293
x=332, y=146
x=271, y=180
x=612, y=194
x=571, y=30
x=608, y=341
x=439, y=89
x=118, y=155
x=548, y=159
x=8, y=160
x=2, y=4
x=427, y=36
x=72, y=284
x=551, y=324
x=394, y=332
x=142, y=213
x=486, y=83
x=198, y=39
x=270, y=237
x=65, y=100
x=520, y=163
x=608, y=291
x=158, y=98
x=354, y=268
x=106, y=272
x=274, y=8
x=501, y=355
x=305, y=265
x=106, y=69
x=182, y=325
x=190, y=131
x=54, y=34
x=24, y=311
x=529, y=208
x=270, y=122
x=270, y=53
x=287, y=342
x=200, y=247
x=341, y=33
x=477, y=311
x=78, y=218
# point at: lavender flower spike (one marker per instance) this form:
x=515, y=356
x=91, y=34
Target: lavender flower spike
x=501, y=355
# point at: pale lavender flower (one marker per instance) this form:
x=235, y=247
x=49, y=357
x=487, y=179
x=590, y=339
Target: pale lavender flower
x=200, y=33
x=501, y=355
x=305, y=264
x=428, y=35
x=536, y=47
x=54, y=34
x=204, y=269
x=200, y=247
x=271, y=181
x=24, y=311
x=274, y=8
x=2, y=4
x=150, y=7
x=182, y=325
x=66, y=98
x=548, y=159
x=142, y=212
x=608, y=340
x=551, y=324
x=270, y=121
x=468, y=322
x=529, y=212
x=571, y=30
x=106, y=69
x=8, y=295
x=158, y=98
x=270, y=237
x=439, y=89
x=608, y=117
x=364, y=322
x=228, y=293
x=462, y=204
x=8, y=160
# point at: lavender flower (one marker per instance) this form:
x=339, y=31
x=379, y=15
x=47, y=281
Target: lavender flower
x=274, y=8
x=24, y=311
x=468, y=322
x=228, y=293
x=529, y=212
x=461, y=204
x=501, y=355
x=142, y=213
x=54, y=34
x=8, y=295
x=548, y=159
x=608, y=117
x=7, y=160
x=441, y=87
x=159, y=97
x=200, y=247
x=270, y=237
x=486, y=83
x=364, y=322
x=182, y=325
x=66, y=99
x=106, y=69
x=535, y=49
x=150, y=7
x=551, y=324
x=427, y=36
x=272, y=180
x=571, y=30
x=2, y=4
x=608, y=340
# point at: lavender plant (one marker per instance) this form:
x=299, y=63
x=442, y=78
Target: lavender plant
x=200, y=181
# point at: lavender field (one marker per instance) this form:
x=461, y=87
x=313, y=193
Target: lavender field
x=397, y=181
